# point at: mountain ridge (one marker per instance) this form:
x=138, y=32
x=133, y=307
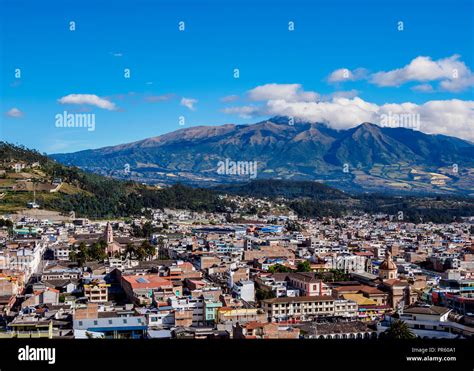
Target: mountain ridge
x=366, y=157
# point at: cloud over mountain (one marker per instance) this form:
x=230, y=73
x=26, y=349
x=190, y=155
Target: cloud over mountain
x=289, y=92
x=449, y=117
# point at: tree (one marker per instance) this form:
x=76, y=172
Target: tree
x=161, y=249
x=129, y=251
x=97, y=251
x=279, y=268
x=147, y=230
x=293, y=227
x=82, y=255
x=399, y=330
x=6, y=223
x=303, y=266
x=338, y=275
x=148, y=249
x=72, y=256
x=264, y=294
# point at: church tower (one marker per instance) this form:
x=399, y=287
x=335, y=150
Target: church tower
x=109, y=234
x=388, y=269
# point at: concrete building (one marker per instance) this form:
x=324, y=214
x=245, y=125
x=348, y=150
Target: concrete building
x=244, y=290
x=304, y=308
x=96, y=291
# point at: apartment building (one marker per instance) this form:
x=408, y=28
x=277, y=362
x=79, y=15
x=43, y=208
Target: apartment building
x=240, y=315
x=140, y=288
x=244, y=290
x=305, y=308
x=96, y=292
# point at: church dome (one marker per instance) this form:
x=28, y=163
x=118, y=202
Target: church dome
x=388, y=263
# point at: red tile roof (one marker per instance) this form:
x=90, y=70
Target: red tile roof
x=146, y=281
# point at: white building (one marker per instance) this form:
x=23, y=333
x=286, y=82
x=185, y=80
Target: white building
x=244, y=290
x=194, y=304
x=430, y=322
x=26, y=259
x=346, y=263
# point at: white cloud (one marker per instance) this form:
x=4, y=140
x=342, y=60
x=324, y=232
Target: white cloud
x=453, y=117
x=345, y=74
x=339, y=112
x=14, y=112
x=425, y=88
x=340, y=94
x=452, y=73
x=229, y=98
x=189, y=103
x=450, y=117
x=288, y=92
x=243, y=111
x=158, y=98
x=88, y=99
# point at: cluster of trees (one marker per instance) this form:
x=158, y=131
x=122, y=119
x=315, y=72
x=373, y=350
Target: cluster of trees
x=261, y=294
x=97, y=252
x=333, y=275
x=291, y=189
x=6, y=223
x=304, y=266
x=308, y=208
x=105, y=197
x=141, y=252
x=292, y=226
x=11, y=152
x=144, y=231
x=84, y=253
x=419, y=209
x=279, y=268
x=114, y=198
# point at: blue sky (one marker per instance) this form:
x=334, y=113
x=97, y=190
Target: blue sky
x=169, y=68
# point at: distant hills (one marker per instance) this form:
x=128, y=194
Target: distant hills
x=289, y=189
x=364, y=158
x=95, y=196
x=87, y=194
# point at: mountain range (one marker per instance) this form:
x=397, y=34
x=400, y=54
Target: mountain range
x=364, y=158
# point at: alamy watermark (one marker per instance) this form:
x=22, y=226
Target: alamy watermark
x=75, y=120
x=400, y=120
x=240, y=168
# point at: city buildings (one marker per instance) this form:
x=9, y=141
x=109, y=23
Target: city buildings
x=346, y=278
